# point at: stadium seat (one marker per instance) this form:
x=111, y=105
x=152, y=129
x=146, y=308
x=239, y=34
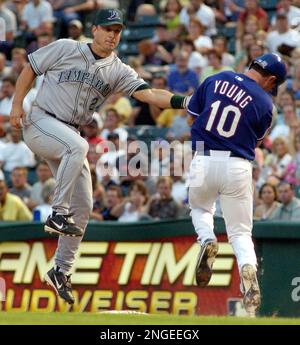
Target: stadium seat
x=268, y=4
x=143, y=21
x=137, y=34
x=32, y=176
x=148, y=133
x=271, y=15
x=297, y=191
x=228, y=31
x=231, y=45
x=126, y=48
x=148, y=130
x=88, y=19
x=20, y=41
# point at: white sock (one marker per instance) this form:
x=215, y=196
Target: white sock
x=204, y=224
x=244, y=251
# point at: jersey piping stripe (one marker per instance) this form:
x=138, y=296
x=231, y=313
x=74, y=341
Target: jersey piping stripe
x=80, y=87
x=192, y=113
x=80, y=84
x=266, y=132
x=134, y=87
x=124, y=77
x=109, y=63
x=34, y=65
x=90, y=88
x=69, y=152
x=89, y=92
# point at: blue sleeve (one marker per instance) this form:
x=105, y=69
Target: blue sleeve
x=197, y=101
x=264, y=125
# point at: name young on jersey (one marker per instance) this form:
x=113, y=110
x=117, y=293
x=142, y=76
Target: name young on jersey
x=74, y=75
x=232, y=91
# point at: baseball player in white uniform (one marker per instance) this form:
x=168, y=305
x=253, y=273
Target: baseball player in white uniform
x=231, y=114
x=78, y=77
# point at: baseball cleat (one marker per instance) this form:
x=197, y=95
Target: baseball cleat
x=61, y=225
x=206, y=258
x=250, y=289
x=61, y=284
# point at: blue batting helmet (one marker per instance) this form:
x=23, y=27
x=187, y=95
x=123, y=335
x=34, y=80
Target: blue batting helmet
x=273, y=64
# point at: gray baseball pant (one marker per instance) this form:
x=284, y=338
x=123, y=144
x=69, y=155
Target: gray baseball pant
x=65, y=151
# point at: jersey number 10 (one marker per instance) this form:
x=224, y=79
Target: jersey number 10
x=220, y=126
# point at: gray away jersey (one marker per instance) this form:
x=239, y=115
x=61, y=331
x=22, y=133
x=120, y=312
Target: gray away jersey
x=75, y=83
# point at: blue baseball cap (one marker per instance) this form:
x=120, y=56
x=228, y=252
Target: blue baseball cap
x=273, y=64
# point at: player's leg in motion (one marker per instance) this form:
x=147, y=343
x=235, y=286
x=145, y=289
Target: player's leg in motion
x=58, y=143
x=65, y=152
x=81, y=205
x=202, y=195
x=237, y=205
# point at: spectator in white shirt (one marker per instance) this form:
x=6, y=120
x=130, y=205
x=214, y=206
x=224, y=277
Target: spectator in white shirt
x=292, y=12
x=4, y=70
x=196, y=60
x=283, y=35
x=205, y=14
x=220, y=44
x=10, y=22
x=35, y=13
x=45, y=209
x=6, y=97
x=290, y=122
x=16, y=153
x=277, y=162
x=196, y=30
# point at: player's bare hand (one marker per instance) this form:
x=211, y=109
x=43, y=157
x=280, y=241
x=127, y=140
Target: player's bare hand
x=16, y=116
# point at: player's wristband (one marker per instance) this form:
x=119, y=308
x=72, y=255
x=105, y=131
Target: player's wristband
x=179, y=102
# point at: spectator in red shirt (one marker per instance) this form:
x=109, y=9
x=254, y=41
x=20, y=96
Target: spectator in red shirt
x=252, y=8
x=91, y=135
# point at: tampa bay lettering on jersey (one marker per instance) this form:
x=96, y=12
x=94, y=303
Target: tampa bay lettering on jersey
x=80, y=76
x=238, y=95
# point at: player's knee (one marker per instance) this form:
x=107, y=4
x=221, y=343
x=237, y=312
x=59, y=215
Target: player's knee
x=90, y=206
x=82, y=148
x=87, y=206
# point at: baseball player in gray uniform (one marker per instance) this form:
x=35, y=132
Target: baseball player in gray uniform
x=78, y=77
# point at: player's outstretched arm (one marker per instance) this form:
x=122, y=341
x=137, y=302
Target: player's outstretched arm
x=161, y=98
x=23, y=85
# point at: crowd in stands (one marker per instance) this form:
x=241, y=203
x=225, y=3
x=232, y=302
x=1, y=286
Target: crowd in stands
x=187, y=42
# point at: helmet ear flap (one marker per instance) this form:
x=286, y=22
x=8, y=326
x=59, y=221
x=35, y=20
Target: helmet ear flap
x=274, y=91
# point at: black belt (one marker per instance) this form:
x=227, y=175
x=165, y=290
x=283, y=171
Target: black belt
x=67, y=123
x=208, y=153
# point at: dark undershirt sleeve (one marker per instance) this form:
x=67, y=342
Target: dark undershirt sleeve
x=143, y=87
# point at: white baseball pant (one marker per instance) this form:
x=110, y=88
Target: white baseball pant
x=230, y=178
